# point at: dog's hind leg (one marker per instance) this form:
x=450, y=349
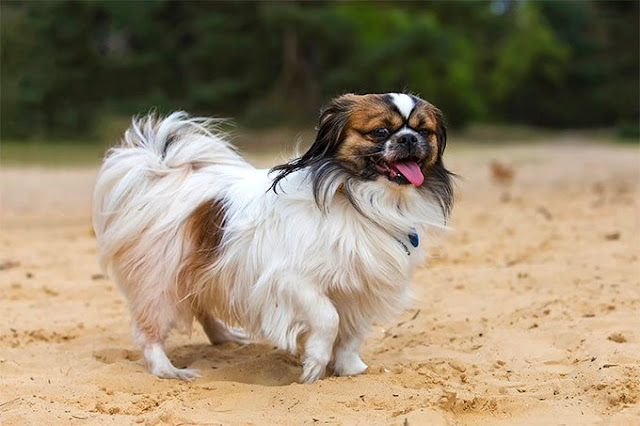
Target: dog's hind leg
x=161, y=366
x=218, y=333
x=151, y=325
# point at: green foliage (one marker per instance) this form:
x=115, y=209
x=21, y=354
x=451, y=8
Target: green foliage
x=530, y=62
x=397, y=50
x=67, y=64
x=531, y=52
x=601, y=77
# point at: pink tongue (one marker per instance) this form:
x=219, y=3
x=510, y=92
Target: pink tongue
x=411, y=171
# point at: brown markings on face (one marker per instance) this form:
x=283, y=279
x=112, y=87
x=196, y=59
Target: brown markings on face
x=368, y=113
x=371, y=112
x=425, y=117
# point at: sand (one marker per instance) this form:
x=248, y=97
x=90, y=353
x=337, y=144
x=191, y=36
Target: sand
x=528, y=313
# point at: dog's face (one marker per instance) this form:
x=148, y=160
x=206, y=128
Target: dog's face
x=397, y=137
x=393, y=138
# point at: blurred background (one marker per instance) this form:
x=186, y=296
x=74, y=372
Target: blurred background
x=528, y=312
x=73, y=72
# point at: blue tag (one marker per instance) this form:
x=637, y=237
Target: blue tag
x=413, y=238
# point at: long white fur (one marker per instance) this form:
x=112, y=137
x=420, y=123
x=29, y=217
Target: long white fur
x=286, y=270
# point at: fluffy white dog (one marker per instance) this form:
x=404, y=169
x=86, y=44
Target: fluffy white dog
x=306, y=255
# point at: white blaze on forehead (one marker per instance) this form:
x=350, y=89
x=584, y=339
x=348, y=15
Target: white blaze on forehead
x=404, y=103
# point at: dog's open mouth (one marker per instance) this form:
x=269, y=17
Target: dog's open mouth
x=403, y=172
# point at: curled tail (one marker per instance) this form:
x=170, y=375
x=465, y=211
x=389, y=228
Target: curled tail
x=150, y=180
x=176, y=141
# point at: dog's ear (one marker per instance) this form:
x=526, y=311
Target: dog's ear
x=441, y=131
x=333, y=121
x=438, y=179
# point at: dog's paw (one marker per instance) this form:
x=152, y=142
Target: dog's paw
x=312, y=371
x=218, y=333
x=160, y=366
x=171, y=372
x=349, y=365
x=235, y=335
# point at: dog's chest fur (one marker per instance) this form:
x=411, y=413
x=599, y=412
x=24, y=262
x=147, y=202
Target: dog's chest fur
x=271, y=243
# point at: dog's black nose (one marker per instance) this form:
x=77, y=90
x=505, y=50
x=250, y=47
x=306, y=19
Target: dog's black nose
x=408, y=140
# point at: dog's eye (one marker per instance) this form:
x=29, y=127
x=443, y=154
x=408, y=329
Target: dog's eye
x=380, y=133
x=426, y=132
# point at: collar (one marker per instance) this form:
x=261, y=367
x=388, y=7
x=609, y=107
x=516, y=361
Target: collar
x=413, y=238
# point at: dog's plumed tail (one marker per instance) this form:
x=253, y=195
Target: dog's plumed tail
x=149, y=185
x=178, y=141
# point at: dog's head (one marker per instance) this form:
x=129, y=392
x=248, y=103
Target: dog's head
x=395, y=139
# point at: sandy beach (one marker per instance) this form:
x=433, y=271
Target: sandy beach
x=527, y=313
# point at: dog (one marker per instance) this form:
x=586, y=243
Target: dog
x=306, y=255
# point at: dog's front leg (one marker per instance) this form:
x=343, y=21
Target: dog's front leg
x=322, y=322
x=347, y=360
x=293, y=310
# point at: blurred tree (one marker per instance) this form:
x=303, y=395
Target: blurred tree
x=602, y=85
x=396, y=48
x=51, y=63
x=67, y=63
x=17, y=47
x=530, y=66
